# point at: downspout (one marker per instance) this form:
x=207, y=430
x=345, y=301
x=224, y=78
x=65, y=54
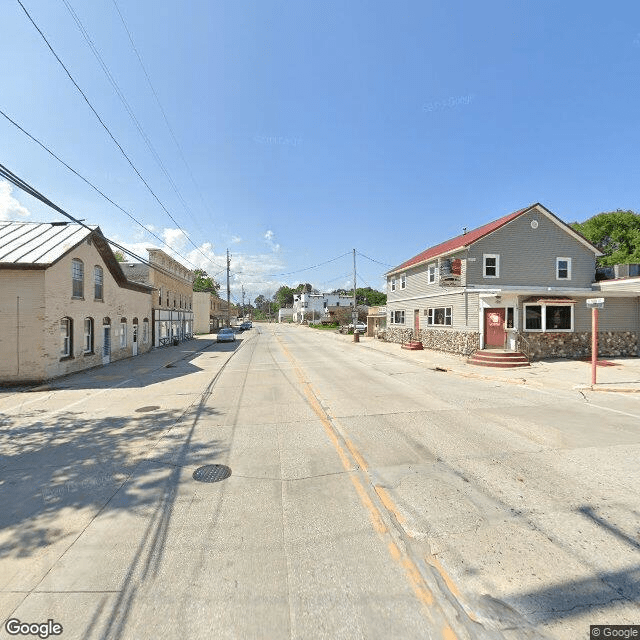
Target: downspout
x=18, y=334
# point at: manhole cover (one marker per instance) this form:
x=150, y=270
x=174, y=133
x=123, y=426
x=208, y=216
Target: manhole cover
x=152, y=407
x=212, y=473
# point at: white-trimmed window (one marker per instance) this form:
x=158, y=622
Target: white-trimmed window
x=88, y=335
x=563, y=268
x=438, y=316
x=397, y=317
x=123, y=333
x=77, y=278
x=491, y=265
x=98, y=283
x=393, y=284
x=66, y=337
x=403, y=281
x=432, y=273
x=549, y=317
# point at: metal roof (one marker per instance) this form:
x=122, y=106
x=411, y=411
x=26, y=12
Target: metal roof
x=38, y=243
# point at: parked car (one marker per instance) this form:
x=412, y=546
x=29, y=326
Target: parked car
x=226, y=335
x=245, y=326
x=360, y=326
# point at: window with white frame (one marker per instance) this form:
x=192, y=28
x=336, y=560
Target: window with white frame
x=77, y=278
x=563, y=268
x=432, y=273
x=439, y=316
x=66, y=337
x=123, y=333
x=403, y=281
x=397, y=317
x=88, y=335
x=393, y=284
x=548, y=317
x=98, y=283
x=491, y=265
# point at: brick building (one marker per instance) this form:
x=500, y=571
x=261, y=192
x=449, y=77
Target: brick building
x=66, y=304
x=172, y=299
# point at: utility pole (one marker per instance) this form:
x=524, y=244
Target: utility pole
x=228, y=291
x=355, y=311
x=243, y=303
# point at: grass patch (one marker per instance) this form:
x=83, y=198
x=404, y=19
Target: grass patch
x=333, y=325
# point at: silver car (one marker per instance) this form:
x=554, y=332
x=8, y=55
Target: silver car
x=226, y=335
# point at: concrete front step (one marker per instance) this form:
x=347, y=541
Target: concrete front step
x=500, y=359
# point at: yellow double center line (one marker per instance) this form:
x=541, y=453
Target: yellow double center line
x=400, y=556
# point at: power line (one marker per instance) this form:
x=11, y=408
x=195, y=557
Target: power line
x=164, y=115
x=106, y=197
x=11, y=177
x=127, y=106
x=384, y=264
x=77, y=86
x=275, y=275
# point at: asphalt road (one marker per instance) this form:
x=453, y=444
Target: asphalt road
x=369, y=497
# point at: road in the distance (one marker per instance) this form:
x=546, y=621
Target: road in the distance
x=369, y=498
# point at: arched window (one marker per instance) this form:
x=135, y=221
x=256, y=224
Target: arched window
x=106, y=320
x=88, y=335
x=66, y=337
x=77, y=278
x=98, y=277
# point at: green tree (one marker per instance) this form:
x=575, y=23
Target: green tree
x=615, y=233
x=284, y=296
x=204, y=282
x=119, y=256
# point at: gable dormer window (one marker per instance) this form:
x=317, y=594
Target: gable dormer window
x=563, y=268
x=491, y=265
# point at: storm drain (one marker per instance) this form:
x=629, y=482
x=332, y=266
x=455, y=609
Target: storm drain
x=212, y=473
x=151, y=407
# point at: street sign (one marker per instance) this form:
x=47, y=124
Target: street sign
x=595, y=303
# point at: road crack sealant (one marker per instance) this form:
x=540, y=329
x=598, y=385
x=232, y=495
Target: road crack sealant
x=427, y=581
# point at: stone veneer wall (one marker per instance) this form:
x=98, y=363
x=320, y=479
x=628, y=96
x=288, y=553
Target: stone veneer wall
x=462, y=342
x=576, y=345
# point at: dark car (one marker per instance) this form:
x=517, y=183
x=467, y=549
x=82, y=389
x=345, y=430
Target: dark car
x=245, y=326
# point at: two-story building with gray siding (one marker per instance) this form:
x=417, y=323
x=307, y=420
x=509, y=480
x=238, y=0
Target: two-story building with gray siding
x=519, y=283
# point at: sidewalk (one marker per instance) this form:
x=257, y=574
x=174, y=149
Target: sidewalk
x=623, y=376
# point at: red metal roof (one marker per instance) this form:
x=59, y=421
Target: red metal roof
x=460, y=241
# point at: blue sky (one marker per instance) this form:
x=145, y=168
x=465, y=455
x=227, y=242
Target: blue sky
x=312, y=128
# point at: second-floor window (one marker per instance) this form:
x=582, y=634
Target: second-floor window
x=393, y=284
x=77, y=277
x=98, y=277
x=403, y=281
x=431, y=272
x=491, y=265
x=563, y=268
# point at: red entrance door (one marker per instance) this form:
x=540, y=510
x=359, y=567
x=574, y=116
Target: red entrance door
x=494, y=333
